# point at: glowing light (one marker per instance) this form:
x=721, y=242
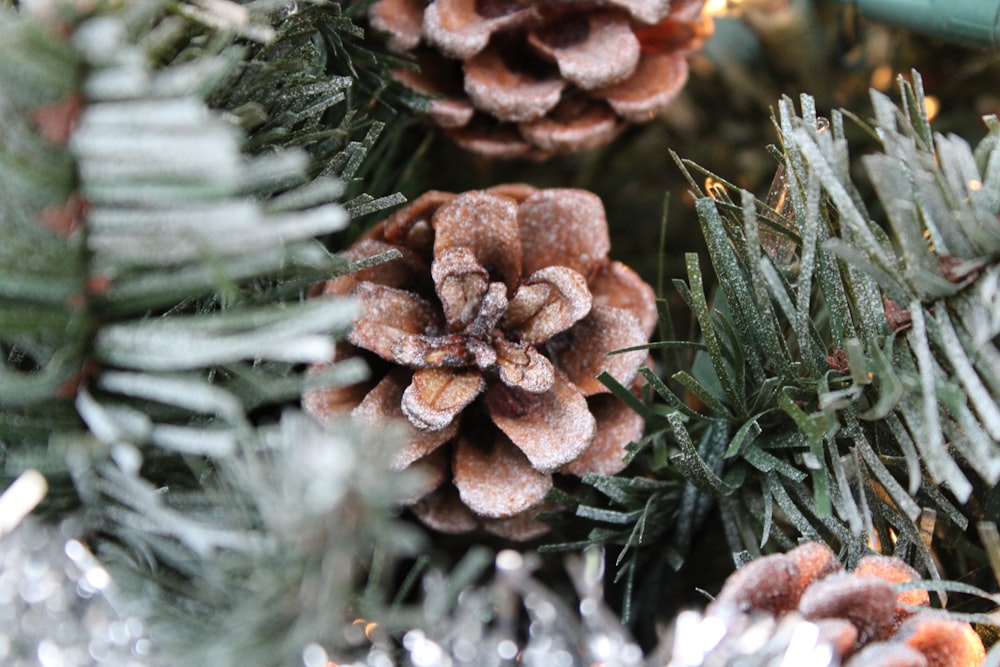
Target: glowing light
x=925, y=526
x=507, y=649
x=723, y=7
x=882, y=77
x=314, y=655
x=509, y=560
x=715, y=189
x=696, y=636
x=932, y=105
x=20, y=498
x=370, y=628
x=99, y=578
x=975, y=185
x=716, y=7
x=801, y=644
x=927, y=237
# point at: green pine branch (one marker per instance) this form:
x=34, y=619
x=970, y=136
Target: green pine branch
x=844, y=388
x=321, y=86
x=154, y=324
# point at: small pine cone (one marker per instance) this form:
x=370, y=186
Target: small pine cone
x=532, y=78
x=859, y=614
x=775, y=583
x=485, y=339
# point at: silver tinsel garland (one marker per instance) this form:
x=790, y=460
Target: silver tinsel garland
x=516, y=620
x=59, y=606
x=751, y=641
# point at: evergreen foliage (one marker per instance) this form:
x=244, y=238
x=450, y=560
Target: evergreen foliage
x=154, y=324
x=136, y=260
x=844, y=388
x=173, y=176
x=317, y=84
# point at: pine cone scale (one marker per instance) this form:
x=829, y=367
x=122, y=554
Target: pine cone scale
x=565, y=228
x=582, y=352
x=534, y=421
x=635, y=99
x=508, y=94
x=460, y=30
x=461, y=284
x=837, y=596
x=617, y=425
x=383, y=404
x=487, y=226
x=388, y=315
x=565, y=300
x=591, y=125
x=402, y=20
x=521, y=366
x=618, y=286
x=593, y=51
x=497, y=482
x=435, y=396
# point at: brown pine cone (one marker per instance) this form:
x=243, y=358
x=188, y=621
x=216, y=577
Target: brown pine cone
x=531, y=78
x=860, y=613
x=486, y=338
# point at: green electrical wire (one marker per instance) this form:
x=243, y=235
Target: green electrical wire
x=973, y=23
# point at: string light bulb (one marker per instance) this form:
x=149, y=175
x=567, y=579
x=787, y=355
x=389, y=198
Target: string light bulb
x=974, y=23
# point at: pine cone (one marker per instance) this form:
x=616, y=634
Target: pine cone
x=530, y=78
x=486, y=337
x=859, y=614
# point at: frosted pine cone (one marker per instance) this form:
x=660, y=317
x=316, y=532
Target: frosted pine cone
x=529, y=78
x=486, y=338
x=858, y=615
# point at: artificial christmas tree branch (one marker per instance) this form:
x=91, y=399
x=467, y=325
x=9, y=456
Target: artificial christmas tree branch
x=845, y=391
x=173, y=176
x=154, y=329
x=914, y=278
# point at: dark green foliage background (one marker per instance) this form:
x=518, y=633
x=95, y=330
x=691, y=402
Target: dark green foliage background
x=322, y=124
